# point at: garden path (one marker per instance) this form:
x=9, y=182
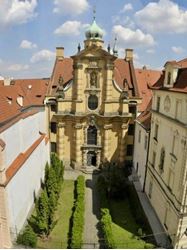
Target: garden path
x=91, y=230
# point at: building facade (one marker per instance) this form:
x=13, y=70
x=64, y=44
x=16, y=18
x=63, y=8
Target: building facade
x=167, y=164
x=92, y=102
x=24, y=151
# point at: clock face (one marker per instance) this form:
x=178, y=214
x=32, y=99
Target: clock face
x=167, y=104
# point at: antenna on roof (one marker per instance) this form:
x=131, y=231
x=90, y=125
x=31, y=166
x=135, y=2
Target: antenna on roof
x=115, y=52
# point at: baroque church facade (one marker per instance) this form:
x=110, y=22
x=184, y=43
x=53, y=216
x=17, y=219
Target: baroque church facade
x=92, y=102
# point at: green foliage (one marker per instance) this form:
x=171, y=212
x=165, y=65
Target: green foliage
x=42, y=213
x=28, y=237
x=78, y=215
x=46, y=172
x=51, y=182
x=106, y=225
x=102, y=190
x=138, y=213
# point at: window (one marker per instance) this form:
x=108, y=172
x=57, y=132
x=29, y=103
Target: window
x=162, y=158
x=53, y=147
x=129, y=150
x=170, y=179
x=145, y=142
x=131, y=129
x=132, y=109
x=92, y=102
x=53, y=127
x=92, y=135
x=137, y=166
x=54, y=108
x=158, y=103
x=154, y=159
x=156, y=132
x=139, y=136
x=150, y=189
x=169, y=78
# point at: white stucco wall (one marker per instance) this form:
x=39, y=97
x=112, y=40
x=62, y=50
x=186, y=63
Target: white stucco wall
x=22, y=135
x=20, y=190
x=140, y=152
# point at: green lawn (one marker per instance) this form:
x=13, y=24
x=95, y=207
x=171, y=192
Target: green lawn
x=59, y=236
x=124, y=226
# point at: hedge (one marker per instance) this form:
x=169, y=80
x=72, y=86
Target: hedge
x=28, y=238
x=102, y=190
x=106, y=225
x=78, y=215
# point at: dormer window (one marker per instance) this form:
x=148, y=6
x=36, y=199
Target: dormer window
x=169, y=78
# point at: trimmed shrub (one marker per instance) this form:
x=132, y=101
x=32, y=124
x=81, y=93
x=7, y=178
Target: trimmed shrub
x=78, y=215
x=28, y=237
x=102, y=190
x=106, y=225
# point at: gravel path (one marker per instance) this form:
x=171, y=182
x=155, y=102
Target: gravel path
x=91, y=239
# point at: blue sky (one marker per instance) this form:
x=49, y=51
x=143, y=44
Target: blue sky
x=31, y=29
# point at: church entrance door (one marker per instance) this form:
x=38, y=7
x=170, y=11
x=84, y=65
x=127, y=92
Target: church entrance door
x=91, y=158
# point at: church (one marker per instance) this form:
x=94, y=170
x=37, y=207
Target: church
x=92, y=101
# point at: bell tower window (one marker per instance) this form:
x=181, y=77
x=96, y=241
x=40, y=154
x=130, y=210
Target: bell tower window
x=92, y=102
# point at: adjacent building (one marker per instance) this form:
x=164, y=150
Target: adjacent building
x=166, y=185
x=24, y=151
x=92, y=103
x=145, y=79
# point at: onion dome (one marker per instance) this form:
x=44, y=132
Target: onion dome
x=94, y=31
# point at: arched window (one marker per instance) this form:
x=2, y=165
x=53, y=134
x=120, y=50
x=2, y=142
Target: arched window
x=92, y=135
x=169, y=78
x=92, y=102
x=93, y=79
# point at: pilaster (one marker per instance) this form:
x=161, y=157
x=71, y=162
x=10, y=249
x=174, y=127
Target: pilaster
x=124, y=129
x=60, y=139
x=78, y=141
x=106, y=151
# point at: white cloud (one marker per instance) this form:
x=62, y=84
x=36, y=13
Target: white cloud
x=127, y=36
x=25, y=44
x=42, y=55
x=14, y=12
x=162, y=16
x=69, y=28
x=72, y=7
x=150, y=51
x=18, y=67
x=178, y=50
x=127, y=7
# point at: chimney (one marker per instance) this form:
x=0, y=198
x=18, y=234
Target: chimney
x=7, y=81
x=129, y=55
x=60, y=53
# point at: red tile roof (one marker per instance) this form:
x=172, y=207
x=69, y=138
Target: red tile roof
x=145, y=117
x=20, y=160
x=122, y=70
x=32, y=90
x=181, y=82
x=146, y=78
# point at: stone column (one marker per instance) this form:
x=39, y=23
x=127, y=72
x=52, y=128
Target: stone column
x=60, y=140
x=84, y=158
x=124, y=129
x=106, y=150
x=108, y=90
x=5, y=239
x=78, y=142
x=98, y=158
x=98, y=137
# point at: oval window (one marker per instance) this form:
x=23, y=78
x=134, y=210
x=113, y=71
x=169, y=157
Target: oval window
x=92, y=102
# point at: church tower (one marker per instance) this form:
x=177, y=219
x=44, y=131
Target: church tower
x=92, y=100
